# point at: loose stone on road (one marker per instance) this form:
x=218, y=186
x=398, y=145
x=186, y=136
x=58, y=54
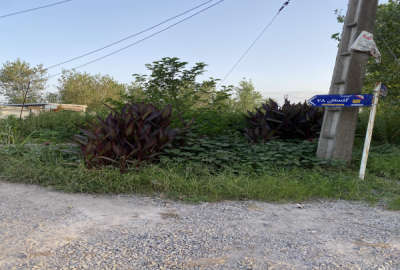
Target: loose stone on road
x=44, y=229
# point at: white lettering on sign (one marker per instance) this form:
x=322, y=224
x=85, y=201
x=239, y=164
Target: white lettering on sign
x=335, y=100
x=340, y=100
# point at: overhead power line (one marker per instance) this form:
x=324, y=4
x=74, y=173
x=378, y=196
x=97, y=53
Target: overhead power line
x=129, y=37
x=256, y=40
x=33, y=9
x=145, y=38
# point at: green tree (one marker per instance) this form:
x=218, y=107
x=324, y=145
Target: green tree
x=16, y=76
x=91, y=90
x=247, y=98
x=387, y=38
x=135, y=92
x=171, y=82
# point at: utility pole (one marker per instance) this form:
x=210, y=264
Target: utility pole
x=339, y=125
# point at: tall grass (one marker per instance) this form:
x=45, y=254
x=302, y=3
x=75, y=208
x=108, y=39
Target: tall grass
x=55, y=127
x=61, y=170
x=196, y=181
x=387, y=123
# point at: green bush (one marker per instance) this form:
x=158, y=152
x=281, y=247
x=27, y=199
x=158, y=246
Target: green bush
x=384, y=161
x=387, y=123
x=8, y=130
x=212, y=123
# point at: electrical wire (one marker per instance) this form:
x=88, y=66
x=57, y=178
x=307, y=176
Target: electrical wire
x=143, y=39
x=130, y=36
x=255, y=41
x=33, y=9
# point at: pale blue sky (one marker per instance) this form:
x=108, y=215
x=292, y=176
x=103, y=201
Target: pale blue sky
x=295, y=56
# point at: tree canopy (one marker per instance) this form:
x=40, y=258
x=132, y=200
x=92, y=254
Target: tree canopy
x=171, y=82
x=387, y=38
x=91, y=90
x=17, y=76
x=247, y=98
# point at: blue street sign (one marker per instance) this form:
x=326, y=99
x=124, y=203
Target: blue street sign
x=341, y=100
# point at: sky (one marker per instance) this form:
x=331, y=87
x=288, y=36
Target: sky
x=295, y=57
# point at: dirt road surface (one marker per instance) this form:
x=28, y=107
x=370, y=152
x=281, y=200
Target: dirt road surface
x=43, y=229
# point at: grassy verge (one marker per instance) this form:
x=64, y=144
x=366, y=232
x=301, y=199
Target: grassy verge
x=193, y=182
x=55, y=127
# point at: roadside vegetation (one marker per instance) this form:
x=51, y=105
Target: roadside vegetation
x=169, y=133
x=61, y=167
x=220, y=144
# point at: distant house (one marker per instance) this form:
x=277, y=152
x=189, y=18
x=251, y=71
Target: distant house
x=35, y=108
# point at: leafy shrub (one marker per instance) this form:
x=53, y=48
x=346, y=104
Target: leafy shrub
x=387, y=123
x=138, y=133
x=383, y=160
x=56, y=126
x=209, y=122
x=235, y=153
x=8, y=131
x=290, y=121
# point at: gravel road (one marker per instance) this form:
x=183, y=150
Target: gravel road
x=43, y=229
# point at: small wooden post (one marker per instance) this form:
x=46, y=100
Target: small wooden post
x=370, y=129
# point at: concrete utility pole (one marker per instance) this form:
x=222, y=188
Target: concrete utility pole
x=338, y=129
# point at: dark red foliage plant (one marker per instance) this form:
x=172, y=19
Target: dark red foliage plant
x=289, y=121
x=135, y=134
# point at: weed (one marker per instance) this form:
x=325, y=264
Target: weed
x=56, y=127
x=394, y=204
x=236, y=154
x=195, y=182
x=383, y=161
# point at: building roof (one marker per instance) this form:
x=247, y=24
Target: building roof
x=25, y=105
